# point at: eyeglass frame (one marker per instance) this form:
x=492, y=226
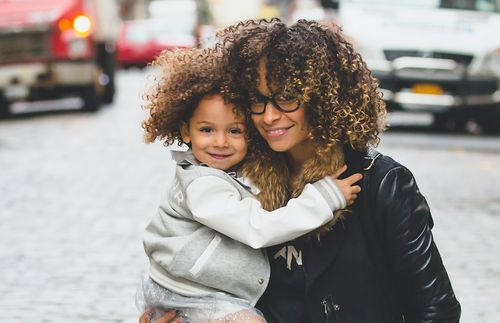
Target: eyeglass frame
x=267, y=99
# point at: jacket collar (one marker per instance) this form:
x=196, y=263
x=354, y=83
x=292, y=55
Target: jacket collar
x=186, y=158
x=322, y=254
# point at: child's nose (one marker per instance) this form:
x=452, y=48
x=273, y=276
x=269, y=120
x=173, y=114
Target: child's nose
x=221, y=140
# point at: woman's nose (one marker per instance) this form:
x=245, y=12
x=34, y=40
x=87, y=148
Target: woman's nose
x=271, y=114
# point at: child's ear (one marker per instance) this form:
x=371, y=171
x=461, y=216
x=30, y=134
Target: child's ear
x=186, y=138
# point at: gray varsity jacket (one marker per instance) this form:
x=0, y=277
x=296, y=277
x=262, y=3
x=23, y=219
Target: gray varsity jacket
x=207, y=234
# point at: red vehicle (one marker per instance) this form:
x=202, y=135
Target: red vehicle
x=52, y=49
x=140, y=41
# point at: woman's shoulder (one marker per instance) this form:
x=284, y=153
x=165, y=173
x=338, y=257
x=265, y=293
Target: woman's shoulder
x=382, y=166
x=393, y=181
x=386, y=163
x=374, y=159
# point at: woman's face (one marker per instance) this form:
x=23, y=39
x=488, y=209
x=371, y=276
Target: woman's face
x=283, y=131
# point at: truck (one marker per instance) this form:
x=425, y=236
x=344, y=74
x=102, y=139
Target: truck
x=53, y=49
x=440, y=57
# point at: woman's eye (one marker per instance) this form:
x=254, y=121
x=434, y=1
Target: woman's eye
x=259, y=98
x=285, y=99
x=285, y=102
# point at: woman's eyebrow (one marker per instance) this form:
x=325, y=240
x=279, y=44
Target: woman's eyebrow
x=262, y=95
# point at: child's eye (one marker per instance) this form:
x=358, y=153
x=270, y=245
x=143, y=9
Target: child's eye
x=236, y=131
x=205, y=129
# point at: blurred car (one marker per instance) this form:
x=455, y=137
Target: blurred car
x=55, y=49
x=141, y=41
x=435, y=56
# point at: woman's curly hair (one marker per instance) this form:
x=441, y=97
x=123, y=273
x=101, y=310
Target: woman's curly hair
x=182, y=78
x=315, y=64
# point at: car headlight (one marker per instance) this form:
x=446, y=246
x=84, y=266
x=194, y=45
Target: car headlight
x=493, y=62
x=77, y=47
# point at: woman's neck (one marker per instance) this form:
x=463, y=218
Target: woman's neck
x=299, y=154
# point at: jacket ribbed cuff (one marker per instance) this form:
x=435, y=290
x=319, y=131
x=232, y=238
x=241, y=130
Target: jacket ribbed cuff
x=331, y=193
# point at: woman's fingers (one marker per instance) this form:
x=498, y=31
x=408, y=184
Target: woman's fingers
x=145, y=318
x=168, y=317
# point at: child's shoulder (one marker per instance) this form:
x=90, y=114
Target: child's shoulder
x=188, y=169
x=183, y=157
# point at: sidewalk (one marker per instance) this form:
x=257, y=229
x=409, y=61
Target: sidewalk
x=78, y=189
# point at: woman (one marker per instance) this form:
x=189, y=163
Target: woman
x=316, y=105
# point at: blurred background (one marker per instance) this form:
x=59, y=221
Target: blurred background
x=78, y=185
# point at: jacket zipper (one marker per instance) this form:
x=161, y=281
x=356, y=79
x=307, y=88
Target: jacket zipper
x=327, y=309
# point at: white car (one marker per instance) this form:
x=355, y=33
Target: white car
x=432, y=56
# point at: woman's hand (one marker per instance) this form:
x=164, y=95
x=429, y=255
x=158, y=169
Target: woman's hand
x=168, y=317
x=346, y=185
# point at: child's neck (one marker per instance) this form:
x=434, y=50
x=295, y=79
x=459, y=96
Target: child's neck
x=234, y=169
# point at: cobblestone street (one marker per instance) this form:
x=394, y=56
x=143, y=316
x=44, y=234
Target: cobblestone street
x=77, y=189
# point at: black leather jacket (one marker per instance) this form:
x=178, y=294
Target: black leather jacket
x=380, y=264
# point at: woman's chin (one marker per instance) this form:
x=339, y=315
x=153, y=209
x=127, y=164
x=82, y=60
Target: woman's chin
x=279, y=146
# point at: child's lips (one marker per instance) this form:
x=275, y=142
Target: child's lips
x=219, y=156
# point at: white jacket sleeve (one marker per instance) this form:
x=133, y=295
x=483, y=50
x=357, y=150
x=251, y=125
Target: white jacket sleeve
x=217, y=204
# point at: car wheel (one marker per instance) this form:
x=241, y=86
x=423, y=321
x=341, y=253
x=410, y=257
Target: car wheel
x=107, y=62
x=4, y=107
x=449, y=122
x=91, y=98
x=489, y=123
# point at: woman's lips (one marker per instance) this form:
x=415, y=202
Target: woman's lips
x=276, y=132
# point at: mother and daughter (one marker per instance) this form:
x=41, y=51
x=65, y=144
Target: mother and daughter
x=262, y=221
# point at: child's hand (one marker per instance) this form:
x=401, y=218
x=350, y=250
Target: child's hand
x=346, y=186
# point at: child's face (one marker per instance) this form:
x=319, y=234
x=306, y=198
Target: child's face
x=216, y=134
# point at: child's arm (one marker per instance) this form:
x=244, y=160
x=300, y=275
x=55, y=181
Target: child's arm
x=216, y=203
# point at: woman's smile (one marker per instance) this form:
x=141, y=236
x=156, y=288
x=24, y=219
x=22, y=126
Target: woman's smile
x=277, y=132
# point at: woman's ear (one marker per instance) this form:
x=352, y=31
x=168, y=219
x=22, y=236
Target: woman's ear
x=186, y=138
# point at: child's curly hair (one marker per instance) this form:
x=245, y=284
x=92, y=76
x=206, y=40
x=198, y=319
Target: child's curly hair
x=315, y=64
x=183, y=77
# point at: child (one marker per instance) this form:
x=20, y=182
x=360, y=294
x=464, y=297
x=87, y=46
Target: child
x=203, y=243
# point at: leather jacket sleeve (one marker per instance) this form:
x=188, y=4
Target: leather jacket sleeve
x=421, y=280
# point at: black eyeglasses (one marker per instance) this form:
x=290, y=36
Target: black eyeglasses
x=285, y=105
